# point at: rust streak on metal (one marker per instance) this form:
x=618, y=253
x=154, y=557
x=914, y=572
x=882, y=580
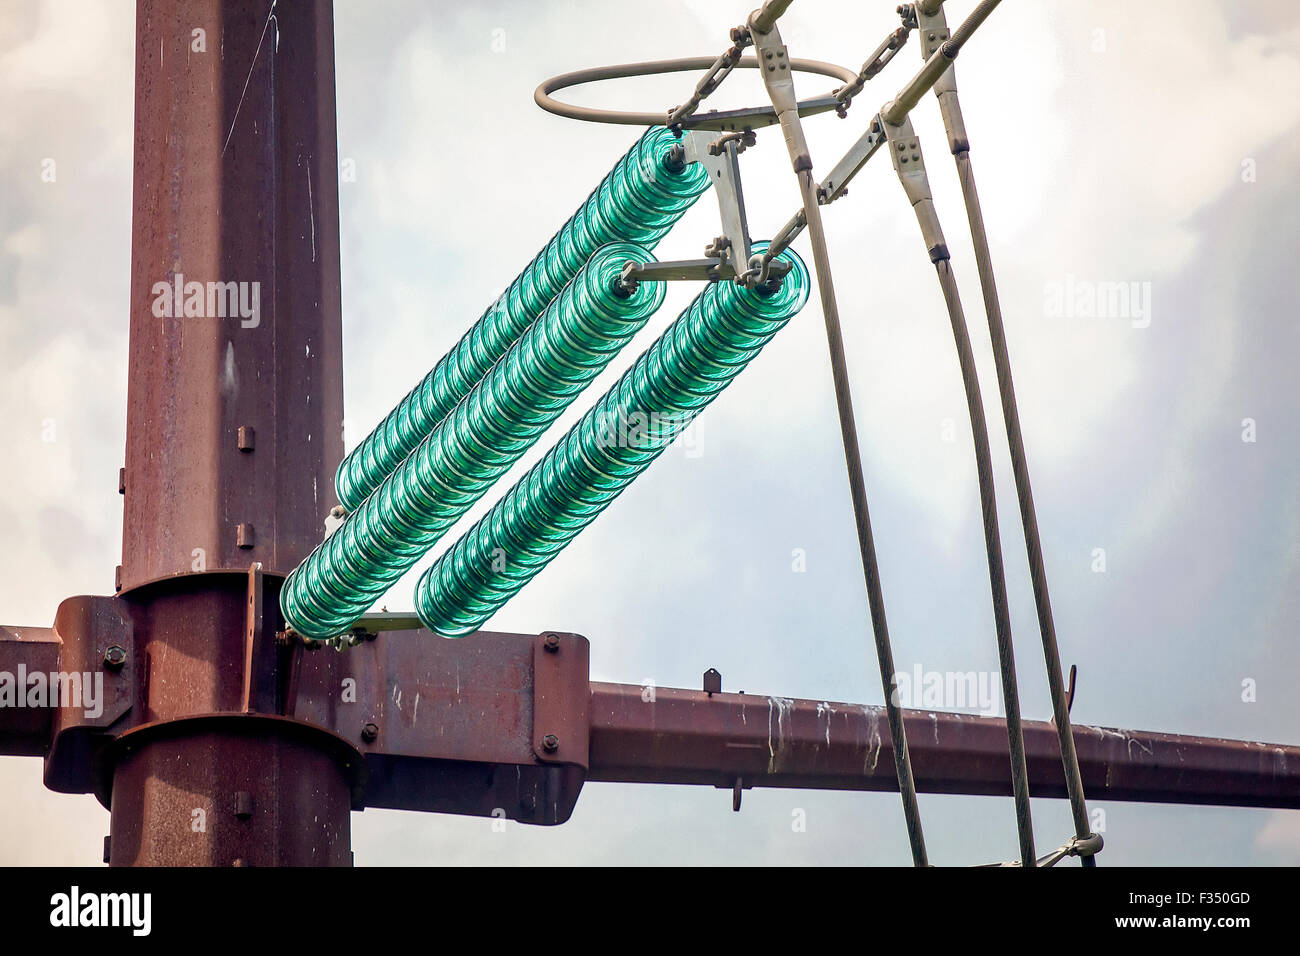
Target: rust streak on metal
x=692, y=737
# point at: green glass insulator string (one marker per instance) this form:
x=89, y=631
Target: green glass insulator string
x=656, y=399
x=556, y=358
x=639, y=201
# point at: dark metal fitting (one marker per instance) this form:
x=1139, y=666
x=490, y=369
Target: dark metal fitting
x=802, y=163
x=675, y=158
x=551, y=643
x=114, y=657
x=1090, y=845
x=370, y=733
x=712, y=681
x=550, y=743
x=626, y=284
x=359, y=635
x=745, y=139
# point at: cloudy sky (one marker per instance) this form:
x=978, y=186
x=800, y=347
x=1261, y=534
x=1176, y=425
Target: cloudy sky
x=1157, y=149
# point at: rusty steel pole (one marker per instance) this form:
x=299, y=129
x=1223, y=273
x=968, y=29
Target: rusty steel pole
x=234, y=427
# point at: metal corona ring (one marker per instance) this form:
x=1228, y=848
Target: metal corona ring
x=729, y=120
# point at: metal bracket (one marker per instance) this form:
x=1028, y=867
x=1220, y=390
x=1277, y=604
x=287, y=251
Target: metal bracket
x=933, y=28
x=561, y=699
x=719, y=155
x=729, y=256
x=687, y=270
x=367, y=628
x=460, y=726
x=97, y=644
x=699, y=270
x=905, y=153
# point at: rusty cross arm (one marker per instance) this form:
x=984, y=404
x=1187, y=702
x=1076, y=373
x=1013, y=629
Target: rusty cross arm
x=690, y=737
x=511, y=725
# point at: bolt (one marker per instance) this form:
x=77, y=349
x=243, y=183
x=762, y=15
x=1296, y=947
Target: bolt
x=552, y=643
x=675, y=158
x=369, y=732
x=550, y=743
x=115, y=657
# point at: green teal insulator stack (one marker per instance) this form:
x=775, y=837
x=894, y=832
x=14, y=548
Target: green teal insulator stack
x=618, y=438
x=639, y=201
x=556, y=358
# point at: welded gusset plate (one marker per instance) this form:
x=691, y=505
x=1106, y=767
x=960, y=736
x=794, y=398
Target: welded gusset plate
x=96, y=689
x=452, y=725
x=561, y=698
